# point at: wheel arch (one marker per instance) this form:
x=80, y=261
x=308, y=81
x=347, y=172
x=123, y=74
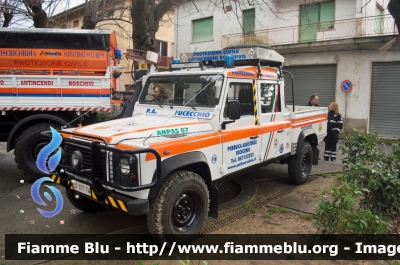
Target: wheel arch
x=194, y=161
x=29, y=121
x=309, y=135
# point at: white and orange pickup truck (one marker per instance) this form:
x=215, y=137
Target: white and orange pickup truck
x=223, y=113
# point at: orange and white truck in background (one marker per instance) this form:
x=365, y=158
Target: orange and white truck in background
x=50, y=77
x=225, y=114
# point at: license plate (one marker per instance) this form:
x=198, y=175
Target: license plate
x=82, y=188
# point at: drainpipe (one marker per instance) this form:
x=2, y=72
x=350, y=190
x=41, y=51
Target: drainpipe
x=176, y=35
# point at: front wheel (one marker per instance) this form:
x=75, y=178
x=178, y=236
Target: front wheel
x=179, y=212
x=28, y=146
x=300, y=165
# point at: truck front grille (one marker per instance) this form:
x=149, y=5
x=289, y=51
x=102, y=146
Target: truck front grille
x=69, y=148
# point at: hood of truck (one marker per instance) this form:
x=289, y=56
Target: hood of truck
x=134, y=130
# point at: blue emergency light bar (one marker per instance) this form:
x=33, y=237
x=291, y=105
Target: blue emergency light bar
x=229, y=57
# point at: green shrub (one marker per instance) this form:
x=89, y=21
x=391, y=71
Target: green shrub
x=343, y=216
x=369, y=192
x=374, y=172
x=104, y=116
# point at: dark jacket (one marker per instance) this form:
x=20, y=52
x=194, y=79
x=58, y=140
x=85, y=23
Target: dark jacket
x=335, y=124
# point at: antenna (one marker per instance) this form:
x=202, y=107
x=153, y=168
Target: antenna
x=193, y=53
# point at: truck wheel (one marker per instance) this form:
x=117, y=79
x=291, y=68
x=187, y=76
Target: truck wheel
x=300, y=165
x=179, y=212
x=83, y=203
x=28, y=146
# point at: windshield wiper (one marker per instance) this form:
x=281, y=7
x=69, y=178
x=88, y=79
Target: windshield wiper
x=191, y=105
x=154, y=97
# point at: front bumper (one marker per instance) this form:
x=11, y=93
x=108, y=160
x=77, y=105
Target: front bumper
x=94, y=176
x=132, y=206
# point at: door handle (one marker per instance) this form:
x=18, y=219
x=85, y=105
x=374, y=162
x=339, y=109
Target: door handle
x=281, y=131
x=254, y=137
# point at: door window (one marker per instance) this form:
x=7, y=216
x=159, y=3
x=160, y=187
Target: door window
x=243, y=92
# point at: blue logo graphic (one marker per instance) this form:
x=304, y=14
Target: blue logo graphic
x=47, y=160
x=36, y=197
x=214, y=159
x=48, y=150
x=281, y=148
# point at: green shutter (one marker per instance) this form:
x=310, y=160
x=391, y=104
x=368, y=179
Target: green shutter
x=309, y=14
x=249, y=20
x=203, y=29
x=327, y=15
x=378, y=20
x=308, y=23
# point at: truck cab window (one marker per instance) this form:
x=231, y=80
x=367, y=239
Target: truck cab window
x=243, y=92
x=267, y=97
x=199, y=90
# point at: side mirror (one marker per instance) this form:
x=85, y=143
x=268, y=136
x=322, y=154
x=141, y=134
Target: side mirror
x=234, y=110
x=116, y=74
x=233, y=113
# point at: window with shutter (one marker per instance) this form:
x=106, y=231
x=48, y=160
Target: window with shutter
x=314, y=18
x=327, y=15
x=249, y=20
x=202, y=29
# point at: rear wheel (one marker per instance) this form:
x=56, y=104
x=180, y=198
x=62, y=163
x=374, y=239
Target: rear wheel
x=28, y=146
x=300, y=165
x=179, y=212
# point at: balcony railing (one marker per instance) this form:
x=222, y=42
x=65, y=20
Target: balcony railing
x=335, y=30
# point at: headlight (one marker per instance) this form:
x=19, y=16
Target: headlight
x=125, y=164
x=76, y=159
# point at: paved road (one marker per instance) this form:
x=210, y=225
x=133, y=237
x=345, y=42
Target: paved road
x=16, y=196
x=18, y=213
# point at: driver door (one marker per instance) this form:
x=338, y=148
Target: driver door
x=241, y=139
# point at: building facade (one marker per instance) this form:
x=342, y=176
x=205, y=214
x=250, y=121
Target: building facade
x=73, y=19
x=330, y=46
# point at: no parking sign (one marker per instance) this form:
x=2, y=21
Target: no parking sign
x=346, y=86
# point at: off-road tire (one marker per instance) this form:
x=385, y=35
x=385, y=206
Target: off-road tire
x=179, y=212
x=83, y=203
x=28, y=146
x=299, y=165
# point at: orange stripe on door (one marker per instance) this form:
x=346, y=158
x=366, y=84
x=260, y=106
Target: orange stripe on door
x=310, y=118
x=309, y=121
x=275, y=126
x=230, y=135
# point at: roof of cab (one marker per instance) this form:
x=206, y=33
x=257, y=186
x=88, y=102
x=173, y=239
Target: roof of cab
x=237, y=72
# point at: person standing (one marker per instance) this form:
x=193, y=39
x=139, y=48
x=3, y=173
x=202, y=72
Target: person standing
x=335, y=124
x=314, y=100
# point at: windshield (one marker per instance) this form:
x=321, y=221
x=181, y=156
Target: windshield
x=200, y=90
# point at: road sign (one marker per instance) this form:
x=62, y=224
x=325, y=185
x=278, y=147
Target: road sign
x=346, y=86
